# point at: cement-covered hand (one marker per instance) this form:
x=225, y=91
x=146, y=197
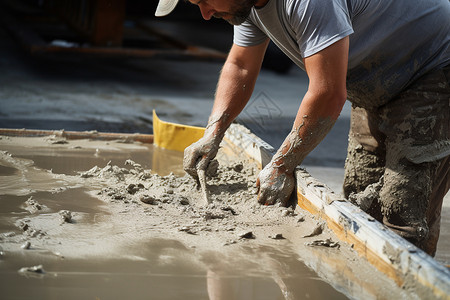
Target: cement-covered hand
x=198, y=155
x=275, y=185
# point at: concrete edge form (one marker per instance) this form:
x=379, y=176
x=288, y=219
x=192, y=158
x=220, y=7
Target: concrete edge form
x=388, y=252
x=241, y=139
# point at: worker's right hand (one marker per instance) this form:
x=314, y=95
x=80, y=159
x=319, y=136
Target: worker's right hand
x=198, y=155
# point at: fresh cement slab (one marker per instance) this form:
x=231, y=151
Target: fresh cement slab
x=114, y=223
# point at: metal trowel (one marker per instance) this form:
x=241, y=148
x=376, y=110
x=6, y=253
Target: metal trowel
x=202, y=179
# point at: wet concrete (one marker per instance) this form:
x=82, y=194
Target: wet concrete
x=156, y=269
x=6, y=171
x=120, y=248
x=169, y=271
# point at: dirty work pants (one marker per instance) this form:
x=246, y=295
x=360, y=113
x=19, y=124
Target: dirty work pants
x=403, y=148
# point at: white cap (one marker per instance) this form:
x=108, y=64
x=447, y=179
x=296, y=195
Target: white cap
x=165, y=7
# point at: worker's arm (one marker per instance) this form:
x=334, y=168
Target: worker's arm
x=234, y=89
x=317, y=114
x=236, y=83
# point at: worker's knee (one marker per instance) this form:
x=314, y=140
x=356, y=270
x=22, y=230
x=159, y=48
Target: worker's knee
x=406, y=198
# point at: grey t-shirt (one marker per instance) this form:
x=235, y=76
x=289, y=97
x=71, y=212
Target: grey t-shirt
x=392, y=42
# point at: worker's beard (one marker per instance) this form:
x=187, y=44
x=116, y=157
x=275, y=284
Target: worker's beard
x=239, y=12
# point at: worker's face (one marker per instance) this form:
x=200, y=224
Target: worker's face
x=233, y=11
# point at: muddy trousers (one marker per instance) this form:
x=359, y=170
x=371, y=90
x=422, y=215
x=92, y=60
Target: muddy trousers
x=398, y=160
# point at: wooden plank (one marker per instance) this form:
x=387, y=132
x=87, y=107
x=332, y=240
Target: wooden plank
x=76, y=135
x=198, y=53
x=351, y=239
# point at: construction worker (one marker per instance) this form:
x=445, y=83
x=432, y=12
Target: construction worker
x=389, y=58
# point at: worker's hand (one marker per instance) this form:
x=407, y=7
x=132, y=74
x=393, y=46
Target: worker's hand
x=275, y=184
x=198, y=155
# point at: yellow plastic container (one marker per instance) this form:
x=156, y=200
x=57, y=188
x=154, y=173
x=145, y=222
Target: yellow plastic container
x=174, y=136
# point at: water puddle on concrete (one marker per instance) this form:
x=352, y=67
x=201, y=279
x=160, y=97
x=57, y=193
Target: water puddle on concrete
x=123, y=249
x=169, y=271
x=84, y=155
x=7, y=171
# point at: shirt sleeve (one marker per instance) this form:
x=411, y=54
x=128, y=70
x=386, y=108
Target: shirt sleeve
x=319, y=23
x=248, y=34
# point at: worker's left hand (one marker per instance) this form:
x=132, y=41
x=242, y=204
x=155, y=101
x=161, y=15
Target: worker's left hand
x=275, y=185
